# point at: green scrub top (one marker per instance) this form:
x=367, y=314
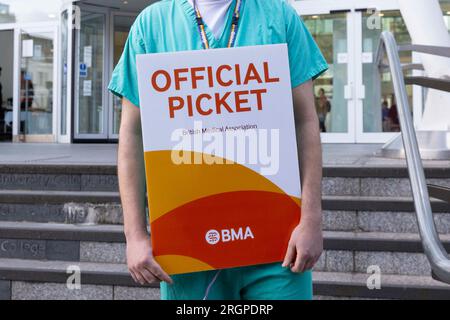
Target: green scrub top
x=170, y=25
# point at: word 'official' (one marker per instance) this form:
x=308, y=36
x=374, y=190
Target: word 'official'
x=209, y=79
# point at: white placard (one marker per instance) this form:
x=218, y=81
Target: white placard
x=342, y=58
x=88, y=56
x=87, y=88
x=367, y=57
x=220, y=154
x=27, y=48
x=271, y=109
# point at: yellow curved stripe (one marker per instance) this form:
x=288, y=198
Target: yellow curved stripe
x=175, y=264
x=171, y=185
x=298, y=201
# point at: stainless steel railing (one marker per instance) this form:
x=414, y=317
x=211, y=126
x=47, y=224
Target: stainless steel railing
x=433, y=248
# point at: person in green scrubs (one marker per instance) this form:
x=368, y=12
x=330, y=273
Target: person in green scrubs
x=175, y=25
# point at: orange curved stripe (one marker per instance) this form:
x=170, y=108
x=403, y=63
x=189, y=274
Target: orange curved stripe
x=271, y=217
x=171, y=185
x=175, y=264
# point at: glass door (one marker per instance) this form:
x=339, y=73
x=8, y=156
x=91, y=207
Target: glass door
x=6, y=84
x=100, y=43
x=332, y=24
x=121, y=25
x=65, y=71
x=333, y=96
x=90, y=80
x=64, y=88
x=354, y=103
x=377, y=117
x=37, y=80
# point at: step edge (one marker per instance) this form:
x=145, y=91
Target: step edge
x=321, y=286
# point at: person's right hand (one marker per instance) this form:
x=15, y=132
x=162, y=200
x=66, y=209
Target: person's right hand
x=141, y=263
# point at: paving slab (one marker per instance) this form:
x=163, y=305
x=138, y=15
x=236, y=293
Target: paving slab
x=356, y=155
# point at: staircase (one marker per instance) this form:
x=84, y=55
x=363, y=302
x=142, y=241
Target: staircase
x=67, y=217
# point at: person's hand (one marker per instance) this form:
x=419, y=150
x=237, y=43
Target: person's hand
x=305, y=247
x=141, y=263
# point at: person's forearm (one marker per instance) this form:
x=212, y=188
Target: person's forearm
x=132, y=182
x=306, y=242
x=310, y=156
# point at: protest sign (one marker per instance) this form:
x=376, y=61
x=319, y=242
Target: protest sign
x=220, y=156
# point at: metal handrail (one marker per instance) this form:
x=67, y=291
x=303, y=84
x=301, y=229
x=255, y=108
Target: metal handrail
x=428, y=82
x=433, y=248
x=433, y=50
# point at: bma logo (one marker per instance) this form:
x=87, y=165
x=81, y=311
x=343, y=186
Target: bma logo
x=212, y=236
x=227, y=235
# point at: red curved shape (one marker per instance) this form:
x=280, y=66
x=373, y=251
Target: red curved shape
x=270, y=216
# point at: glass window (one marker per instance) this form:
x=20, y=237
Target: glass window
x=64, y=68
x=330, y=33
x=28, y=11
x=6, y=84
x=445, y=4
x=36, y=83
x=90, y=85
x=380, y=108
x=122, y=25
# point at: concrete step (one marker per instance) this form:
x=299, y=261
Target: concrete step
x=47, y=280
x=373, y=186
x=58, y=177
x=25, y=279
x=66, y=242
x=355, y=180
x=57, y=197
x=60, y=206
x=346, y=212
x=394, y=253
x=351, y=285
x=378, y=204
x=380, y=221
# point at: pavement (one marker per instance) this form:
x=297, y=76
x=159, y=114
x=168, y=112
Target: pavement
x=66, y=154
x=355, y=155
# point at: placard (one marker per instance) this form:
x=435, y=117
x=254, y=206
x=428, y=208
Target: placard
x=87, y=88
x=27, y=48
x=221, y=160
x=88, y=56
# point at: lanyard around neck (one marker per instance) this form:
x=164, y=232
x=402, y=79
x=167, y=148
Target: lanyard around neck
x=234, y=25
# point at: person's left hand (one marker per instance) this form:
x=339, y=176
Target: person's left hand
x=305, y=247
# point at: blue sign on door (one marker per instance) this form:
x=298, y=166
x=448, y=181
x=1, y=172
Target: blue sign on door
x=83, y=70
